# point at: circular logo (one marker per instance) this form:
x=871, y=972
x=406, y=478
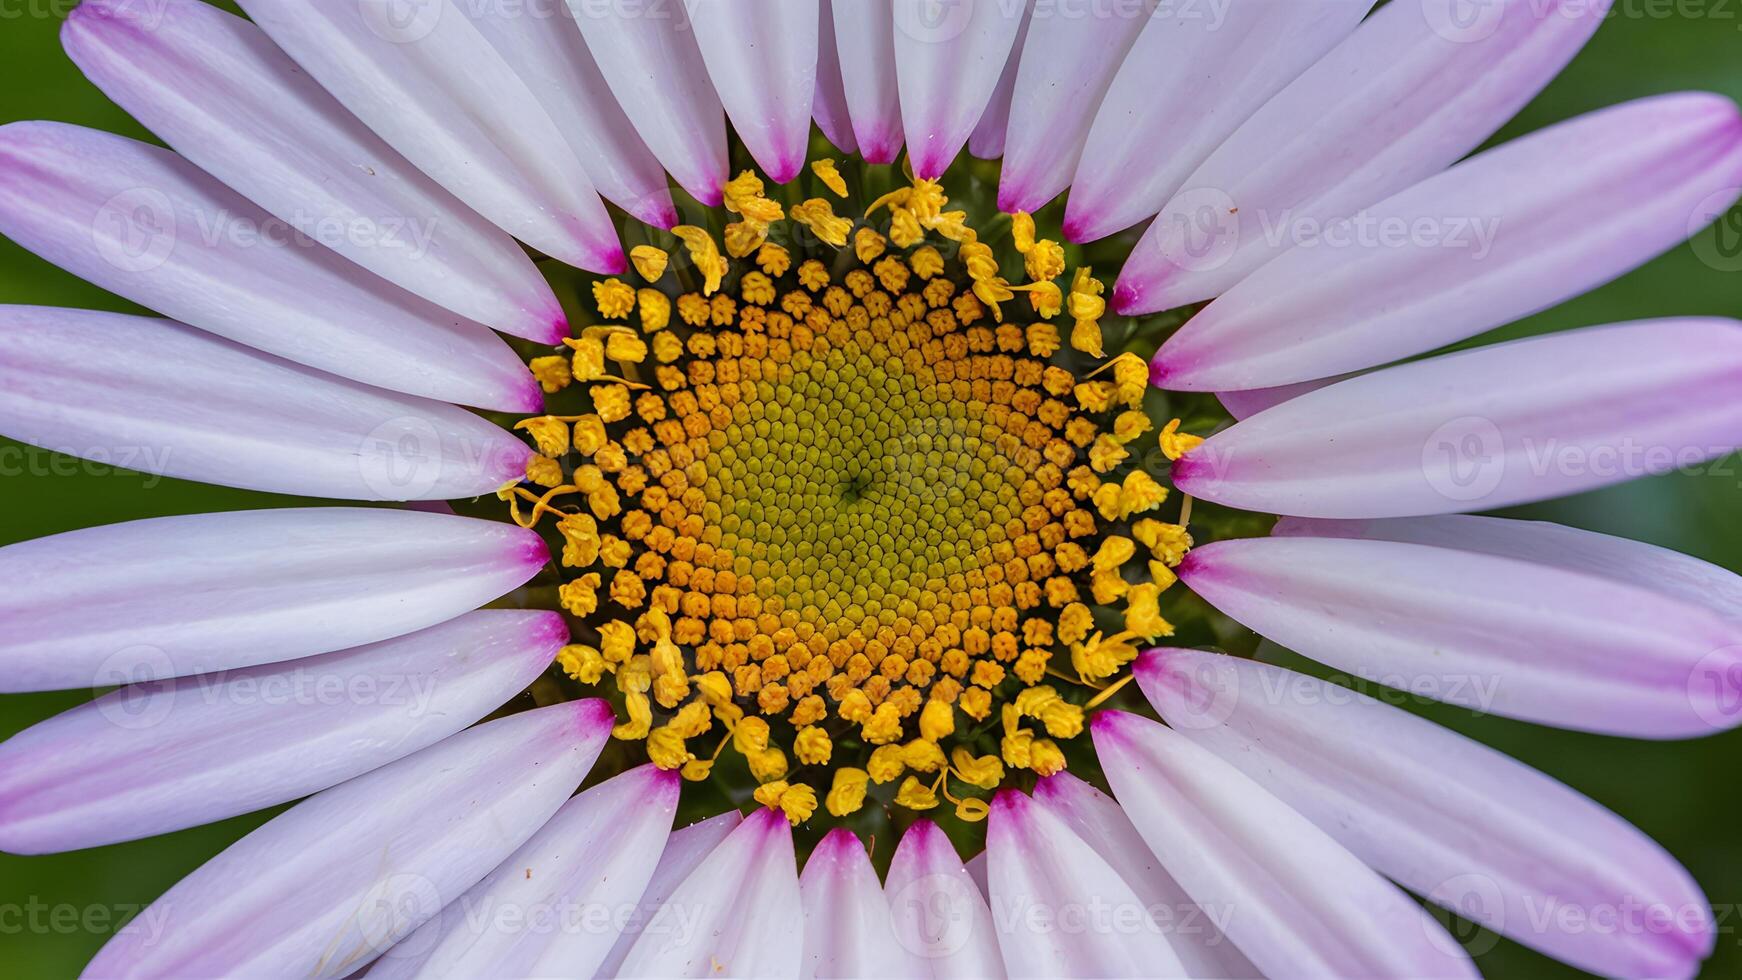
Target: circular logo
x=1208, y=691
x=1715, y=688
x=933, y=21
x=135, y=231
x=1465, y=459
x=146, y=692
x=401, y=459
x=401, y=21
x=1477, y=901
x=1722, y=248
x=393, y=909
x=933, y=915
x=1200, y=229
x=1464, y=21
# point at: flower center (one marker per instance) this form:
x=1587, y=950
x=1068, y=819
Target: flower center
x=854, y=508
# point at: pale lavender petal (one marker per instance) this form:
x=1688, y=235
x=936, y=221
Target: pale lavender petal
x=868, y=75
x=543, y=46
x=684, y=850
x=1196, y=73
x=762, y=58
x=329, y=885
x=1244, y=404
x=752, y=871
x=145, y=224
x=219, y=92
x=1487, y=428
x=987, y=139
x=948, y=60
x=1077, y=917
x=1488, y=837
x=1413, y=90
x=1507, y=233
x=173, y=596
x=439, y=93
x=1191, y=929
x=164, y=755
x=161, y=397
x=1491, y=633
x=554, y=907
x=846, y=919
x=1627, y=561
x=1068, y=61
x=656, y=72
x=829, y=102
x=1296, y=902
x=941, y=919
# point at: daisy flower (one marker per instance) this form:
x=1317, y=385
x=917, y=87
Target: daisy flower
x=847, y=481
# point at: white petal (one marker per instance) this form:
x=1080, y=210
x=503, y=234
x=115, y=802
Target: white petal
x=742, y=908
x=941, y=920
x=656, y=72
x=145, y=224
x=846, y=919
x=684, y=850
x=987, y=139
x=214, y=88
x=1245, y=404
x=948, y=59
x=160, y=396
x=429, y=84
x=1195, y=74
x=1077, y=916
x=326, y=887
x=1190, y=928
x=762, y=58
x=868, y=74
x=163, y=755
x=1496, y=634
x=829, y=103
x=173, y=596
x=1296, y=902
x=1490, y=838
x=553, y=908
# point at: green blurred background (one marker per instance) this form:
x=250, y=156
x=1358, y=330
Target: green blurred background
x=56, y=911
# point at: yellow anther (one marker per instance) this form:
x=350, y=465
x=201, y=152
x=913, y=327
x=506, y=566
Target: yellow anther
x=655, y=310
x=768, y=764
x=819, y=216
x=886, y=764
x=1043, y=338
x=1168, y=542
x=883, y=726
x=744, y=237
x=984, y=771
x=1045, y=757
x=904, y=229
x=936, y=720
x=812, y=746
x=751, y=736
x=550, y=435
x=649, y=261
x=1102, y=657
x=1130, y=425
x=1106, y=453
x=1022, y=231
x=923, y=755
x=617, y=641
x=813, y=275
x=615, y=298
x=1115, y=551
x=831, y=178
x=926, y=262
x=552, y=372
x=847, y=794
x=665, y=748
x=1175, y=443
x=1086, y=337
x=705, y=254
x=868, y=244
x=1143, y=612
x=1075, y=621
x=978, y=259
x=640, y=721
x=915, y=795
x=972, y=809
x=582, y=663
x=625, y=347
x=773, y=259
x=697, y=770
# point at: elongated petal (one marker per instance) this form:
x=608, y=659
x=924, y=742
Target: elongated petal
x=165, y=755
x=219, y=92
x=1192, y=930
x=948, y=59
x=829, y=103
x=1298, y=904
x=145, y=224
x=173, y=596
x=1245, y=404
x=328, y=886
x=743, y=910
x=1487, y=428
x=941, y=919
x=160, y=396
x=1627, y=561
x=762, y=59
x=554, y=907
x=1482, y=244
x=1412, y=91
x=686, y=848
x=656, y=72
x=1195, y=74
x=846, y=918
x=987, y=139
x=1444, y=816
x=1068, y=61
x=1491, y=633
x=548, y=53
x=868, y=76
x=1080, y=917
x=478, y=130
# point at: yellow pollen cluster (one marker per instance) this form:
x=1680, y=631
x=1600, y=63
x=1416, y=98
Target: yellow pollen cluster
x=848, y=514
